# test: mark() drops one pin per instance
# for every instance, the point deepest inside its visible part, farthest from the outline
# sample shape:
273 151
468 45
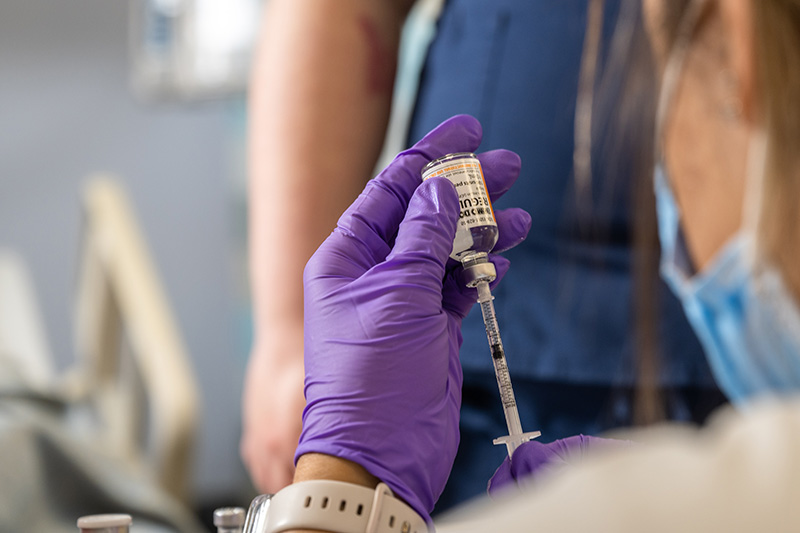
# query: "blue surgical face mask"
740 308
742 311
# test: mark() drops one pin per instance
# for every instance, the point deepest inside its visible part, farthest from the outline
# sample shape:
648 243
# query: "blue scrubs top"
566 307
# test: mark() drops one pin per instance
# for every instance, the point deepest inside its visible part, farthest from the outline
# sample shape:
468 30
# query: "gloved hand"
383 314
534 458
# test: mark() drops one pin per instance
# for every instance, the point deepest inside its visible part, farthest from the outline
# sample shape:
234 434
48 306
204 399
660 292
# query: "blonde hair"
776 32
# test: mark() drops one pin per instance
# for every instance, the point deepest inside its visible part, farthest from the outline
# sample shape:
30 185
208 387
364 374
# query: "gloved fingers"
342 256
513 225
534 458
425 238
501 265
377 212
502 479
570 447
529 459
574 448
586 444
500 170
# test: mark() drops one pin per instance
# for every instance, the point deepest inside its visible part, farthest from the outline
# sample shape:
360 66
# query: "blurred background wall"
66 111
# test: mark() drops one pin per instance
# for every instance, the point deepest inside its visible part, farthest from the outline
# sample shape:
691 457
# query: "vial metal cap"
105 523
477 268
229 517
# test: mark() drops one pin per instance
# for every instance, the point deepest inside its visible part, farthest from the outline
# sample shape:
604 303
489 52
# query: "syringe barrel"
499 359
503 377
512 420
489 318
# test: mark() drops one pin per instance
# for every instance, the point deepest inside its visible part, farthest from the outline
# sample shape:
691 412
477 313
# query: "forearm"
319 104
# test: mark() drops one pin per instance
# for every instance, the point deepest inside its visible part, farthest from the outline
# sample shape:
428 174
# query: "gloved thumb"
528 459
427 231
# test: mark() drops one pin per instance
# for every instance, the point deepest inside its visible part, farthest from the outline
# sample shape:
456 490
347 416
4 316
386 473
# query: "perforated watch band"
341 508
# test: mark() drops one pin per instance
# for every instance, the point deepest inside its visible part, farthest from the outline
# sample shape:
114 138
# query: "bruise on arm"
381 61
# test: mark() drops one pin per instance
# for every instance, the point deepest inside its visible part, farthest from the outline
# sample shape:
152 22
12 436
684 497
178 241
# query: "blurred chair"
23 342
132 367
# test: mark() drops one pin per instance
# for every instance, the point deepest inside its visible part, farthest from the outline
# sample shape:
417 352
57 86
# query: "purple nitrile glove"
534 458
383 314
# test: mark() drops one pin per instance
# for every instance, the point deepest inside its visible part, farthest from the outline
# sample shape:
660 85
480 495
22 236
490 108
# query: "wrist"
313 466
325 478
279 339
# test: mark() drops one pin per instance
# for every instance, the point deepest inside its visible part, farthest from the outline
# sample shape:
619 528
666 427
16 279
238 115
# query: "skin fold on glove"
533 460
383 313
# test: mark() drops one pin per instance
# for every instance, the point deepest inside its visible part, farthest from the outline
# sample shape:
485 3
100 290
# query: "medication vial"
476 233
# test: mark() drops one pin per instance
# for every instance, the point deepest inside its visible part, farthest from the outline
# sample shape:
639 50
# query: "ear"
737 17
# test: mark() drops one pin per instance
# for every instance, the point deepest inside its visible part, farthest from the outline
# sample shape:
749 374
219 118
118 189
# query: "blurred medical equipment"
191 49
23 341
114 432
105 523
476 235
134 368
229 519
256 520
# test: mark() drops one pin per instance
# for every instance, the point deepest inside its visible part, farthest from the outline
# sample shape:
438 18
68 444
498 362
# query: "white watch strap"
341 508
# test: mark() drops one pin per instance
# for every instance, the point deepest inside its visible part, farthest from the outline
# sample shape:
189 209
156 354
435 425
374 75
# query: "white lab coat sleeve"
740 473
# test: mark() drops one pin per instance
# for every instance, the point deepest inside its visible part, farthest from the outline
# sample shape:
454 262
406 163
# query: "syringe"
475 237
479 272
515 435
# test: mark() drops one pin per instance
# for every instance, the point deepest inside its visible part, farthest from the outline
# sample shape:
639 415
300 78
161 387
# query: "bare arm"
319 105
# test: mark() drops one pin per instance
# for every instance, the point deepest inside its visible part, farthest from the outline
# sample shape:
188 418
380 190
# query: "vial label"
476 216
